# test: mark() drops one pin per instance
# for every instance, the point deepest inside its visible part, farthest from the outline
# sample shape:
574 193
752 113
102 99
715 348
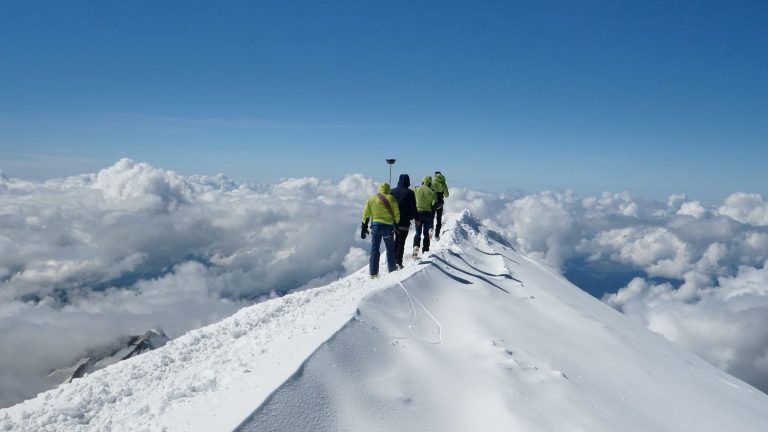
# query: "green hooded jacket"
425 196
439 186
376 209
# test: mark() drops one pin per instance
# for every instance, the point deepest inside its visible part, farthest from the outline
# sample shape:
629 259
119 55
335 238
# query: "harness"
386 203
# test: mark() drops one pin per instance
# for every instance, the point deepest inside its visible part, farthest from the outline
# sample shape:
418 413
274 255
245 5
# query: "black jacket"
406 200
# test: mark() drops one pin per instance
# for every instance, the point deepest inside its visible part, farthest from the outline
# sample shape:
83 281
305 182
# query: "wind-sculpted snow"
701 269
536 355
512 347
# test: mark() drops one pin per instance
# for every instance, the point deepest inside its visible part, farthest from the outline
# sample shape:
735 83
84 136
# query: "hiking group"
391 212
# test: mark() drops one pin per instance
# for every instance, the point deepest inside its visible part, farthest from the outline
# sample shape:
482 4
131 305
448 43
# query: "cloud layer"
85 259
88 258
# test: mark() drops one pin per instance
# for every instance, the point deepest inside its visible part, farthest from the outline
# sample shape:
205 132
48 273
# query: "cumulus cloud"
86 259
746 208
355 259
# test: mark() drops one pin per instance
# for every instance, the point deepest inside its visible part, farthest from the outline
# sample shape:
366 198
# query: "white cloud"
88 258
139 186
543 226
355 259
653 249
746 208
692 208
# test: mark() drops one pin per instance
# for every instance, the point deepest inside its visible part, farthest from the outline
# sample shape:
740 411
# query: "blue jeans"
378 232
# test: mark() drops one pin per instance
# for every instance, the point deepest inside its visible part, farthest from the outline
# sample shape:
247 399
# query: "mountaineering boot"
415 251
374 276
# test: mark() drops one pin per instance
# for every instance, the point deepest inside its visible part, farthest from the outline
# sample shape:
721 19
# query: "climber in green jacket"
425 202
441 190
381 208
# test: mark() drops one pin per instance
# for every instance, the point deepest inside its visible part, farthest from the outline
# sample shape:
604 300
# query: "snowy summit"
472 337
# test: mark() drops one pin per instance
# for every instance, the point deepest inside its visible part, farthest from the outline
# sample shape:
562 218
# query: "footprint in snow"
526 367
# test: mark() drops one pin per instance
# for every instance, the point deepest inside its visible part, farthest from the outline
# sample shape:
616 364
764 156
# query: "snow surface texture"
715 258
473 336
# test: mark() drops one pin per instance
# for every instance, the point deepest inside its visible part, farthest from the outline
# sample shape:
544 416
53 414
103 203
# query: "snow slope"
472 337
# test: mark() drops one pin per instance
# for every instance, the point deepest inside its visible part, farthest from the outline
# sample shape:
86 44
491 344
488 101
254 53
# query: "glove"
363 230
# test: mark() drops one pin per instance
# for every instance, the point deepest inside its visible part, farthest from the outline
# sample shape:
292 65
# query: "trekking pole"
390 162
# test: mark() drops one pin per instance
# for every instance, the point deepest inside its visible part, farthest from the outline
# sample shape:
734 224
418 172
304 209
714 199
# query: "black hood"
404 181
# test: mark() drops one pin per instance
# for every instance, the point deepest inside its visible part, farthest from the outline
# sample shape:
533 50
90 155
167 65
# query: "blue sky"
651 97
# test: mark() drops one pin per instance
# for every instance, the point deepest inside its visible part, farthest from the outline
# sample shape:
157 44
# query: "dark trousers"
423 228
439 221
400 235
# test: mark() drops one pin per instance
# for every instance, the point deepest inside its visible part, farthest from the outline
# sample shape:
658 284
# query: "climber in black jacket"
406 200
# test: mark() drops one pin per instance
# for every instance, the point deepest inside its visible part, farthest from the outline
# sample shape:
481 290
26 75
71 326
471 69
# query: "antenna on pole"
390 162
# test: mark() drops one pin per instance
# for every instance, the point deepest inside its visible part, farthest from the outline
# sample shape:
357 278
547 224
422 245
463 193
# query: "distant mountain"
473 336
100 358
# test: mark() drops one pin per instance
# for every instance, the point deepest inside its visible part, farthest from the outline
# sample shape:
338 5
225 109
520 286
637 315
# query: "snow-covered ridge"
472 337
